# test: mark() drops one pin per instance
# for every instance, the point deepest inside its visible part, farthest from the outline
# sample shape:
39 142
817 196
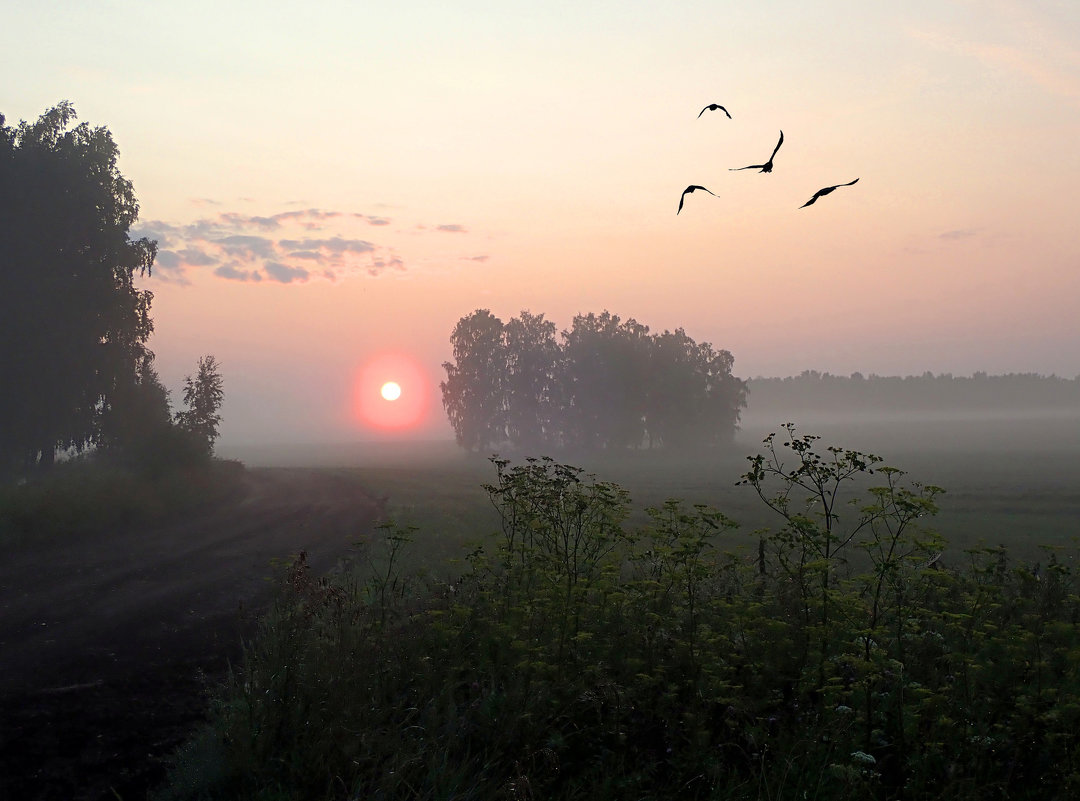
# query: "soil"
109 646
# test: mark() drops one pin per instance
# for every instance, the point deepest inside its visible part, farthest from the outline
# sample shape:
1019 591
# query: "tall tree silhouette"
73 326
203 395
474 393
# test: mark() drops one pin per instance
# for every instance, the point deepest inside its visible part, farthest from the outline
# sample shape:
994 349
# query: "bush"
840 658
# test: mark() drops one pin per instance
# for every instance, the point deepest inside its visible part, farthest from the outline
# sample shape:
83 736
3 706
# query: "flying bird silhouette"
714 107
825 191
767 166
689 190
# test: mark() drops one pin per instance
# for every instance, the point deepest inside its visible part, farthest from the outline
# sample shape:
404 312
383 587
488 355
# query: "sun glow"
391 393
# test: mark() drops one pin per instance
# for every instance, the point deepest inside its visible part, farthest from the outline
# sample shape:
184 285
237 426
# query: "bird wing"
751 167
827 190
714 107
777 146
681 199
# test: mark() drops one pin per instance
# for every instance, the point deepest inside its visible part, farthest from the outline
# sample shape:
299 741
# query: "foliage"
136 430
609 385
73 327
837 657
203 396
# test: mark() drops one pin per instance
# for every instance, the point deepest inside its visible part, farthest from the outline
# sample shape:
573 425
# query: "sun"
391 393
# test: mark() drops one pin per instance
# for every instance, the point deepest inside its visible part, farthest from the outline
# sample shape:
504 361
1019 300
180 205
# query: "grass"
84 498
445 504
1022 499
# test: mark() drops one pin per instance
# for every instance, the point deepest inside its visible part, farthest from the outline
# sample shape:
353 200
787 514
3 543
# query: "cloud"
161 232
960 233
392 263
475 258
238 220
284 274
290 247
333 245
247 246
234 273
194 257
316 214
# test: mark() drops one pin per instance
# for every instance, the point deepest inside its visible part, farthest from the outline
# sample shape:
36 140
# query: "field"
1008 481
111 640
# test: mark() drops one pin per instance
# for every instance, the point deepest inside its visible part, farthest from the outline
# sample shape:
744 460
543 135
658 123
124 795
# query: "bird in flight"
825 191
714 107
688 190
767 166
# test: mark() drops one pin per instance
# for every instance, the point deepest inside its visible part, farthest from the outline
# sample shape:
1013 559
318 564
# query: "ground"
110 644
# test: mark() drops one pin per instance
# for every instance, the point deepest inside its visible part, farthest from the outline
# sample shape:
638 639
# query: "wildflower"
863 758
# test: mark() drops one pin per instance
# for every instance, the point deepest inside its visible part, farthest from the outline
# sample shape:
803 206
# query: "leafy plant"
852 656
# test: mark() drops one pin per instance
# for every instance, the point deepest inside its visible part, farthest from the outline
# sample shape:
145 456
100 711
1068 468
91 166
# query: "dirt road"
107 646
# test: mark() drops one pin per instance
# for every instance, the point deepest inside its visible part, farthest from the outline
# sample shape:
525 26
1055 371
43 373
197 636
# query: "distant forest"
824 394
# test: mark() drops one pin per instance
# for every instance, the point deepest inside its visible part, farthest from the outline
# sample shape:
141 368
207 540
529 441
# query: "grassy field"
1012 482
575 660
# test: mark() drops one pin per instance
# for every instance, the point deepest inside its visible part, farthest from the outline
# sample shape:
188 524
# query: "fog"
923 417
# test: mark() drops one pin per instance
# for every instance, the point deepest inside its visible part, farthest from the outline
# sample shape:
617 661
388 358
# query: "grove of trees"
74 327
603 384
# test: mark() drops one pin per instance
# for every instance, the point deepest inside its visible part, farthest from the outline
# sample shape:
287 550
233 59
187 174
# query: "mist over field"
926 414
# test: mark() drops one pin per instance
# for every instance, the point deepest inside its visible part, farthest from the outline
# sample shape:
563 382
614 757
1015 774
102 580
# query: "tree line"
603 384
73 325
821 391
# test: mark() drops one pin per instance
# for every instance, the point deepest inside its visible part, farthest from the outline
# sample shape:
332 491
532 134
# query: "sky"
334 185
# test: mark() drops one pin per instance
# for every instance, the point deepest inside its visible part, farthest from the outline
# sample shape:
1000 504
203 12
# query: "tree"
533 381
724 395
203 395
73 326
607 361
474 390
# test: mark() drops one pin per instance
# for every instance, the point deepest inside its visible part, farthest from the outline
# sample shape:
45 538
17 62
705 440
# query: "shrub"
842 659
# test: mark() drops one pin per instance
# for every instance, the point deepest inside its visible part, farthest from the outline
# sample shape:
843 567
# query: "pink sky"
331 186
